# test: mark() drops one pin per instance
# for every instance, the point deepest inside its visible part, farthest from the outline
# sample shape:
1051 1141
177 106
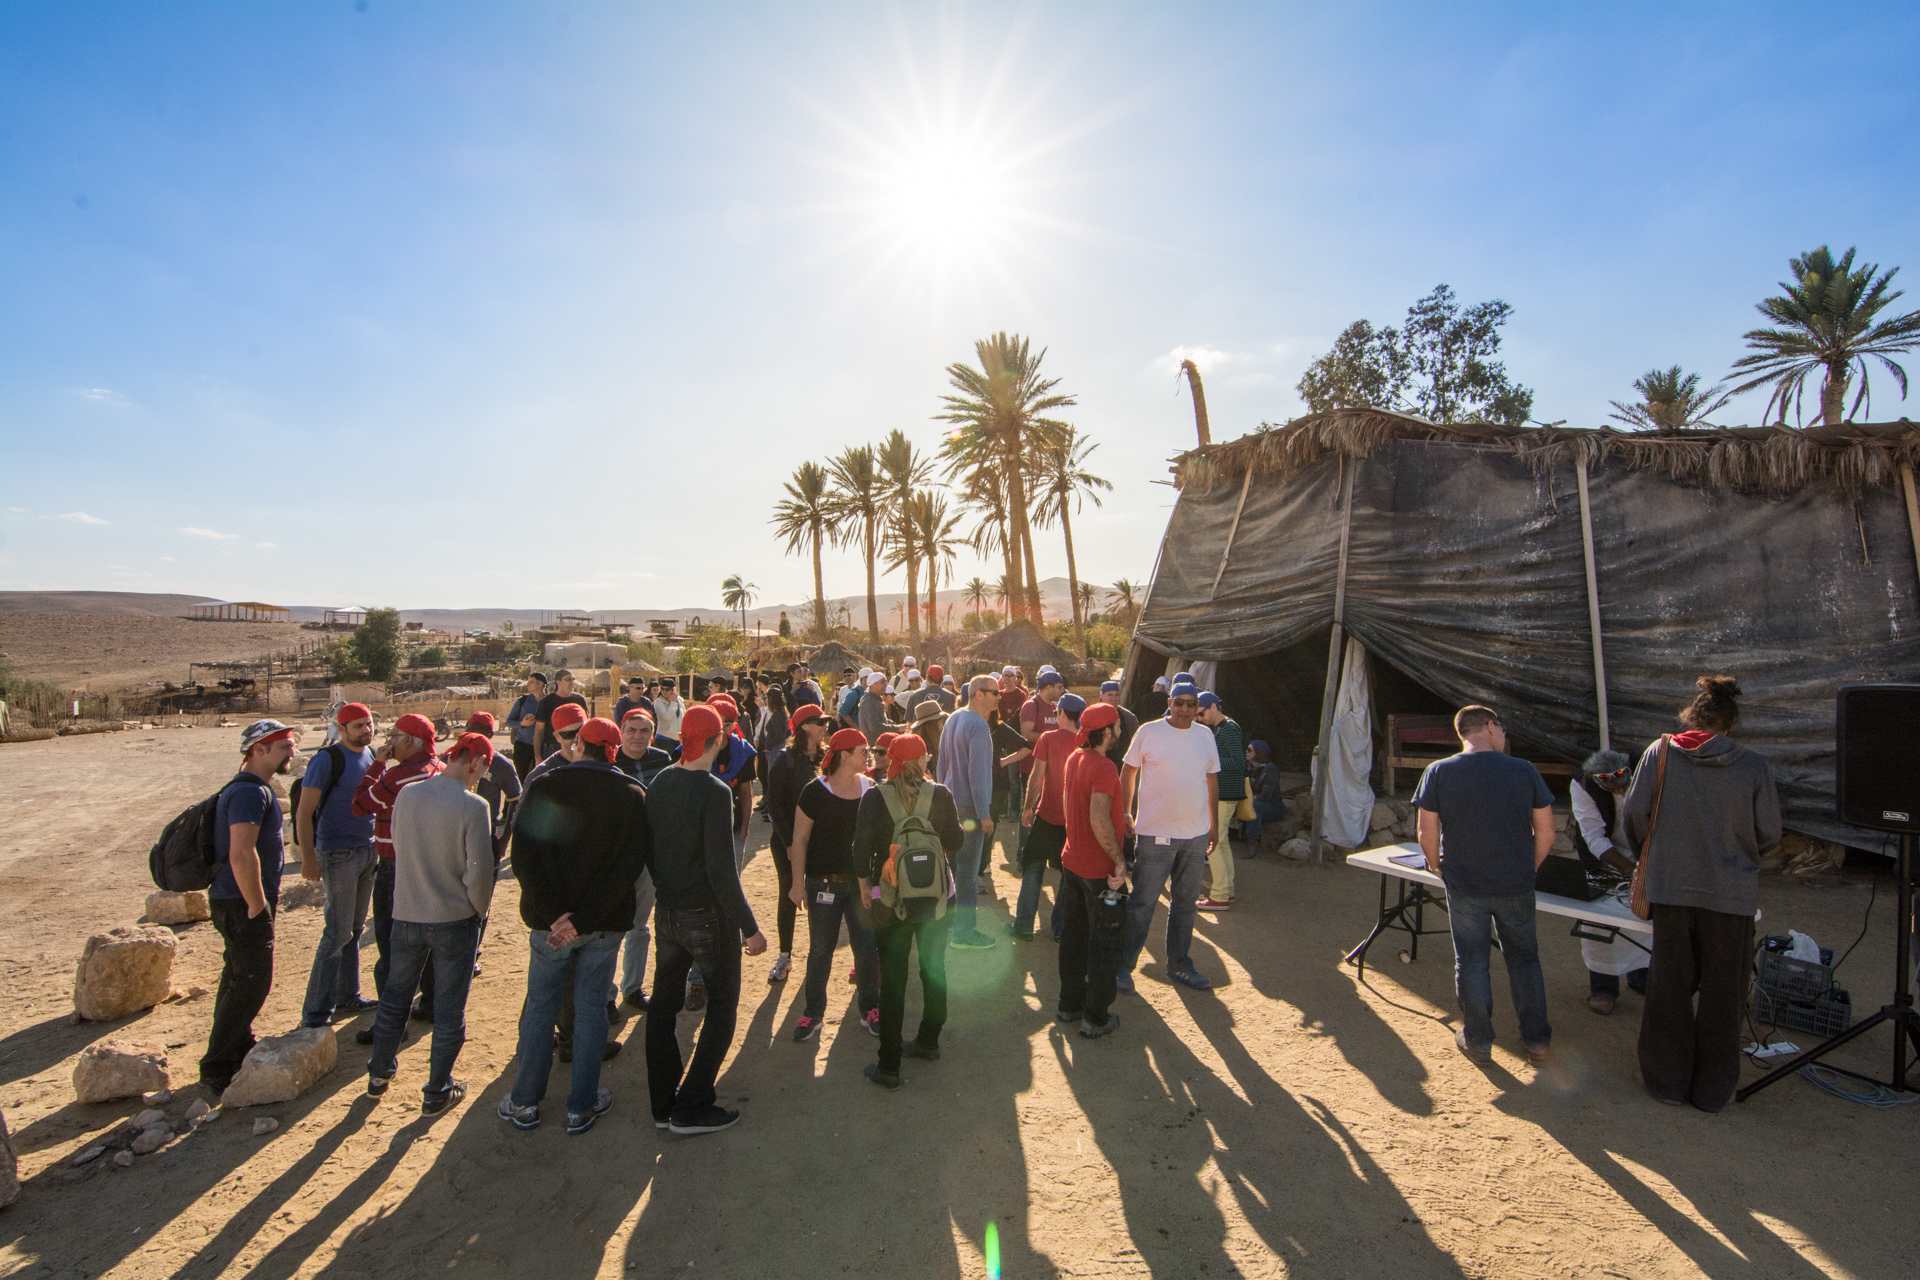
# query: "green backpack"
913 883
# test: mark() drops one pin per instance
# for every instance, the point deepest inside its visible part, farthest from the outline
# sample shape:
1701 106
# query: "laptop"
1566 878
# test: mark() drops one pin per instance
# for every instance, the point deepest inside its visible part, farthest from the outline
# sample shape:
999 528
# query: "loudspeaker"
1877 747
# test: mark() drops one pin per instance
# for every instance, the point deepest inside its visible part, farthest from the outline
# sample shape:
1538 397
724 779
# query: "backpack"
335 753
913 883
182 858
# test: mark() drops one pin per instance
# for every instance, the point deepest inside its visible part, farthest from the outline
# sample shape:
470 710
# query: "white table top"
1609 911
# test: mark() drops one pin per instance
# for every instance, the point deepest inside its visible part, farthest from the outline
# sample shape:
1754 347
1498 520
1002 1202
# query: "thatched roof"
1021 643
1772 460
640 667
834 656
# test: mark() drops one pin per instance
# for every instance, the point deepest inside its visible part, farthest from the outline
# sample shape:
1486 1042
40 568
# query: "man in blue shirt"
248 851
1486 824
336 848
523 722
965 768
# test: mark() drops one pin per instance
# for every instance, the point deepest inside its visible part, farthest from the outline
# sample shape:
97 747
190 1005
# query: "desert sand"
1295 1121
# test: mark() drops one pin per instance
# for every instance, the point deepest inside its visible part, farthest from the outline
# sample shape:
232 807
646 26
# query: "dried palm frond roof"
1021 642
1771 460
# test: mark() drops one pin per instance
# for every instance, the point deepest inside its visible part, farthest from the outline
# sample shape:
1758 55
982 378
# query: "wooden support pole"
1913 512
1335 644
1232 530
1593 601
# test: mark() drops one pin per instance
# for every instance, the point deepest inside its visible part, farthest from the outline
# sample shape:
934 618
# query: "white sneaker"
782 963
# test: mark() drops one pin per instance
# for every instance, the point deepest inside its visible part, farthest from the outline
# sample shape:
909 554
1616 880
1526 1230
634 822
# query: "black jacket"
785 778
691 813
580 841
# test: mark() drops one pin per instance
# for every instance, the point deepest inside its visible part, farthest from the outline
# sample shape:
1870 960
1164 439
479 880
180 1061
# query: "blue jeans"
449 948
548 972
1184 862
1471 920
639 938
966 876
347 877
1039 850
1264 811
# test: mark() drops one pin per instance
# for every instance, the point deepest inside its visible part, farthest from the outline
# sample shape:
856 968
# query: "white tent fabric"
1204 673
1349 796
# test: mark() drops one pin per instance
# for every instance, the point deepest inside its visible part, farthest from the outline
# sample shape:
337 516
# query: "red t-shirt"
1037 716
1054 748
1090 775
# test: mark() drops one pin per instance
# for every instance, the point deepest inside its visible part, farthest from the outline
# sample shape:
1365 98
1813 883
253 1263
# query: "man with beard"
336 848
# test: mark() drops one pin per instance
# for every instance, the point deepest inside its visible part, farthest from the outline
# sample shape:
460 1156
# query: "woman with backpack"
825 881
907 832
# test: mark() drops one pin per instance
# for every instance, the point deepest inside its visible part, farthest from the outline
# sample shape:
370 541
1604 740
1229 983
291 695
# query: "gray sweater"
1718 815
442 853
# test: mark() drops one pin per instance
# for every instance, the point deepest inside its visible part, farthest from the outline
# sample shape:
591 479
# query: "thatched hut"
1023 644
1576 580
833 657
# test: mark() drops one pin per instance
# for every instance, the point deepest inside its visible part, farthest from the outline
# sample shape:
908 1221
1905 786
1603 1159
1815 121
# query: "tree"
906 470
1128 602
999 412
1062 481
737 593
431 656
802 518
1828 318
927 531
975 593
984 494
860 494
1440 365
1084 593
376 644
1670 399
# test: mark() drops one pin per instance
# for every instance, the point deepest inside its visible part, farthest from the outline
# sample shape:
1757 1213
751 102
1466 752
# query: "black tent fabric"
1465 572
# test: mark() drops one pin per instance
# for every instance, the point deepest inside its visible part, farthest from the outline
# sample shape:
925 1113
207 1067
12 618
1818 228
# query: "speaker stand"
1906 1022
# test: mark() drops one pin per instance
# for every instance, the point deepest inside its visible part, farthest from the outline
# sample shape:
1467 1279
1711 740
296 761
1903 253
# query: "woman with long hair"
1717 816
824 882
792 769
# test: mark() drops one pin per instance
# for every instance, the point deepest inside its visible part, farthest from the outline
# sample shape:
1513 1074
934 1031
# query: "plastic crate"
1827 1015
1785 978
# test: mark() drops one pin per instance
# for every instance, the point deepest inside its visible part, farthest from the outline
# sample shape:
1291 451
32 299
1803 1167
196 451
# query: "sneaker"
661 1122
518 1117
782 965
1601 1003
578 1124
914 1049
805 1029
363 1036
973 941
1123 983
1192 977
709 1119
885 1079
1539 1054
1021 935
1212 904
357 1005
1094 1030
871 1021
696 997
1061 1015
1479 1056
377 1085
433 1104
635 1000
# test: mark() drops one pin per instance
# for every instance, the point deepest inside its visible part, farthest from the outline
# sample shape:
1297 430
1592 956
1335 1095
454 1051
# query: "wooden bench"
1414 742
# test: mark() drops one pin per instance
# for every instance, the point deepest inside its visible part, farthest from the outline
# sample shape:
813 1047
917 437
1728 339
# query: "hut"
1022 644
1392 569
833 657
238 611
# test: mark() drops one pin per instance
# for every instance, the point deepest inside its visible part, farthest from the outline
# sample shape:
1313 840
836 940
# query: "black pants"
786 912
1688 1054
523 759
682 939
824 918
1608 984
1089 955
896 939
246 975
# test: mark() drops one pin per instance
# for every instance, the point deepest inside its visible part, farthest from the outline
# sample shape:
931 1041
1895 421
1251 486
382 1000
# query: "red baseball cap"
603 733
642 712
904 747
1097 717
353 711
729 709
418 726
480 722
474 744
568 715
847 740
934 673
801 715
698 729
885 740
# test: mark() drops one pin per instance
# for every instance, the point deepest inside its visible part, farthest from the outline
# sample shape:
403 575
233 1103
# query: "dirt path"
1294 1122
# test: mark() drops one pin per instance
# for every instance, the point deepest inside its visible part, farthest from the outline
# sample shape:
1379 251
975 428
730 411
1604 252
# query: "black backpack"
337 755
182 858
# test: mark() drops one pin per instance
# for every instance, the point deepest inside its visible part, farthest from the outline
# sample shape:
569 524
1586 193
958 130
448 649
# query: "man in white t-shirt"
1173 774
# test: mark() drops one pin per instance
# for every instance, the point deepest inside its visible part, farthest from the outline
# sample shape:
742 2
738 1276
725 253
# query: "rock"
300 893
9 1166
160 1099
1299 849
264 1126
123 971
1402 809
123 1159
1383 816
177 908
89 1155
149 1118
198 1112
117 1069
148 1141
281 1068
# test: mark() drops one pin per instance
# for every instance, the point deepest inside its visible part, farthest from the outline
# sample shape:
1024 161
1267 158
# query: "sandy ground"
1296 1121
99 651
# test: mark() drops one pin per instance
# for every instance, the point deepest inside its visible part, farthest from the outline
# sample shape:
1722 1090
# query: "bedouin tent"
1472 563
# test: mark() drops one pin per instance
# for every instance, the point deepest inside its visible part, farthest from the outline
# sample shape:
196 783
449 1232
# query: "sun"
942 194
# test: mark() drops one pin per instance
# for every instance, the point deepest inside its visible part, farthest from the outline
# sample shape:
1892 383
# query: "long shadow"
31 1050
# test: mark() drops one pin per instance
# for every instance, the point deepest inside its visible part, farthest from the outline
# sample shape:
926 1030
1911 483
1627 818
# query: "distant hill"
121 603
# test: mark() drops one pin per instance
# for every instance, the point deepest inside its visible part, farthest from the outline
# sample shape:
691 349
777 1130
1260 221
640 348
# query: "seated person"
1599 839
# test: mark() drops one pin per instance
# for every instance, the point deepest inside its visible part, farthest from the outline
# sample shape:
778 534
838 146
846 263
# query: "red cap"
935 672
1097 717
603 733
351 712
882 742
723 703
698 729
801 715
847 740
474 744
416 725
568 715
904 747
480 722
642 712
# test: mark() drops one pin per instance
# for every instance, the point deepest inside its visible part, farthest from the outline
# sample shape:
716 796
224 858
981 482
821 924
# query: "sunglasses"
1615 776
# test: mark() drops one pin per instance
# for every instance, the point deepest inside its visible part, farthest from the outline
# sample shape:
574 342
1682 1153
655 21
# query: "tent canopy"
1782 557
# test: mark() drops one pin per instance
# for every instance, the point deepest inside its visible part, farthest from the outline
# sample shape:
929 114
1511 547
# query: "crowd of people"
628 834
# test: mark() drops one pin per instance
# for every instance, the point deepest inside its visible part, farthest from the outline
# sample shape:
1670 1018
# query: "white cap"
1009 670
908 661
876 678
1046 667
864 673
1161 684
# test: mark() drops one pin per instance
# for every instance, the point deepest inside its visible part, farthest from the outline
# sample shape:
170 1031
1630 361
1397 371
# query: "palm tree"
1085 593
906 471
1128 602
1827 326
737 593
987 496
802 518
975 593
860 493
999 413
1007 588
1669 400
933 530
1061 480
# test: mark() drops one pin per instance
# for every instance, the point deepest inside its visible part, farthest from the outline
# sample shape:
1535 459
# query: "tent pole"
1593 601
1335 643
1232 531
1913 512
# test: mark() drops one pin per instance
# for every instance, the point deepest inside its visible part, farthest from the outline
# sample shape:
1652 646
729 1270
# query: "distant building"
238 611
346 615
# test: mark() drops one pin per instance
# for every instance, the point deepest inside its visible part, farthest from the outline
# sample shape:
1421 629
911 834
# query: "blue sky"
537 305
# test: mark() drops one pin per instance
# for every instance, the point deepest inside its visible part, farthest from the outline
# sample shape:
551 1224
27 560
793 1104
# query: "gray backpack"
913 883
